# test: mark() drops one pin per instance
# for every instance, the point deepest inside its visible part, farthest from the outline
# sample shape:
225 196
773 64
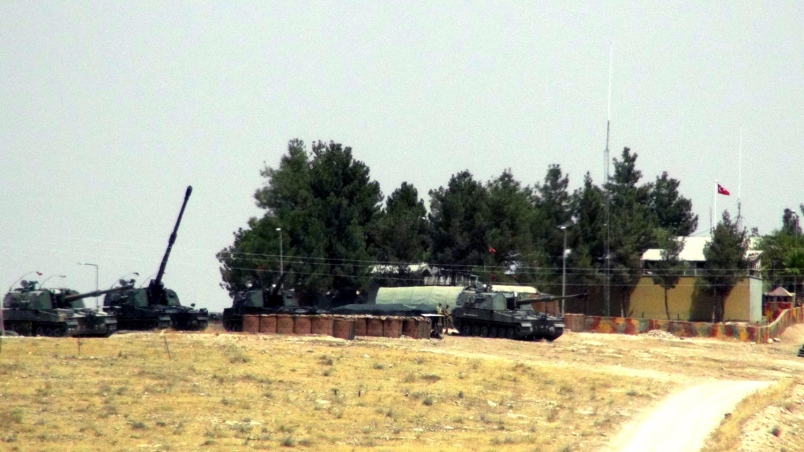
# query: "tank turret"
482 311
258 301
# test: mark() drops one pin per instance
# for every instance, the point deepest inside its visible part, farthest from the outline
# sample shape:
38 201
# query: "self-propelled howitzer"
259 301
156 306
29 311
487 313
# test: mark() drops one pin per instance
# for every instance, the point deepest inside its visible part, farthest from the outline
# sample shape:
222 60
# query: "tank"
261 301
480 311
156 307
29 311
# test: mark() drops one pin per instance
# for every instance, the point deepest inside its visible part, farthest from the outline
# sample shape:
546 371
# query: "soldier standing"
447 319
440 312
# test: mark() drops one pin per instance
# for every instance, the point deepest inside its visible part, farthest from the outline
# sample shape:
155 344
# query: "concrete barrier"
739 331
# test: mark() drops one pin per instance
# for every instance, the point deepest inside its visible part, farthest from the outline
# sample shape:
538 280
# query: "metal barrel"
525 301
172 240
96 293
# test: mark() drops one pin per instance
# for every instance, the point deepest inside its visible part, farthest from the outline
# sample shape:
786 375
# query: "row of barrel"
343 327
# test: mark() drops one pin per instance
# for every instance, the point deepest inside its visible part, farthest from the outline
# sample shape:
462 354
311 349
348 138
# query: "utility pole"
281 266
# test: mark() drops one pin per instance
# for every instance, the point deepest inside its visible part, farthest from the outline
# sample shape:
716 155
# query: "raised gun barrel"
524 301
155 288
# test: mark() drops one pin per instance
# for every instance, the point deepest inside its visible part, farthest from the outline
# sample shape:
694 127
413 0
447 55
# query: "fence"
741 331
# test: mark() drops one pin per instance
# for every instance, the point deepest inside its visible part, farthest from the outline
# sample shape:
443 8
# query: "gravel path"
684 420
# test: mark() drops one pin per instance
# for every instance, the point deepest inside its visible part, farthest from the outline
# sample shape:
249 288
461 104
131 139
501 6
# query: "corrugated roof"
694 250
518 289
779 292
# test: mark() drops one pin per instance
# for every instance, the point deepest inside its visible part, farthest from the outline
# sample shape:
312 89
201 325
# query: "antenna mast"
607 257
739 183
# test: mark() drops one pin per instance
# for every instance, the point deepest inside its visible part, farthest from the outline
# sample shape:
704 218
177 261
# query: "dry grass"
727 436
247 392
265 392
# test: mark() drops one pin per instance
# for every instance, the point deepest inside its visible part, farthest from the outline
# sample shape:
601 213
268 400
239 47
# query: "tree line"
339 233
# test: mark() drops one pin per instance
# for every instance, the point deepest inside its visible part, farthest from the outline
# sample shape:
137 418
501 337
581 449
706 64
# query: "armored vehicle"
261 301
156 306
480 311
30 311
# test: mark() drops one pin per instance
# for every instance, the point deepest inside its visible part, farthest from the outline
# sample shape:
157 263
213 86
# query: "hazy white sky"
109 110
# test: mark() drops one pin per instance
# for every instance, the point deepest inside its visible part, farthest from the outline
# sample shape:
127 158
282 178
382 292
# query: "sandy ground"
706 379
684 420
711 377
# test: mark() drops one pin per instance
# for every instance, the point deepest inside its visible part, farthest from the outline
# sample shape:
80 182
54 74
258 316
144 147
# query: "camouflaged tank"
140 309
481 311
156 306
29 311
260 301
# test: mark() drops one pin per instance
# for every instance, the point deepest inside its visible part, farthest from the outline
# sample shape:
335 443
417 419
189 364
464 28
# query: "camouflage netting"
398 309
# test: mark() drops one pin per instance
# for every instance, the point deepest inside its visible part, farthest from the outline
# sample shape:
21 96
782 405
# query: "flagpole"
607 250
714 210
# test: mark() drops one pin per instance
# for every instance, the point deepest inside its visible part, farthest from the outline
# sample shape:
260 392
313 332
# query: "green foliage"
460 223
725 262
667 272
334 231
671 211
325 202
511 213
552 203
631 229
587 237
783 253
402 235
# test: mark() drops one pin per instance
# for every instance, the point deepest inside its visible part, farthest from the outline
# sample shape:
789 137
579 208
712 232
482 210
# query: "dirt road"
684 420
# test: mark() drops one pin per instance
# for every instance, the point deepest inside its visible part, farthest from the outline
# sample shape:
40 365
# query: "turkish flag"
492 250
722 191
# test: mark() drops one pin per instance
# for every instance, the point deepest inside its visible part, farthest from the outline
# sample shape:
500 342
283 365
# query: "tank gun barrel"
277 289
96 293
525 301
172 240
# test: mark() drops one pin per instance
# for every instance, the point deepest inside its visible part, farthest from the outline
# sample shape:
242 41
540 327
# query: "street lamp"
281 267
563 269
97 303
42 285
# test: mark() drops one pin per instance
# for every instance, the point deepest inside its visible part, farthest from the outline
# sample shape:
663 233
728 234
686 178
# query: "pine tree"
725 263
667 272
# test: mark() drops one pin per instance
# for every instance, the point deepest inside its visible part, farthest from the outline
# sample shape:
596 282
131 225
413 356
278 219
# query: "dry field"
218 391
